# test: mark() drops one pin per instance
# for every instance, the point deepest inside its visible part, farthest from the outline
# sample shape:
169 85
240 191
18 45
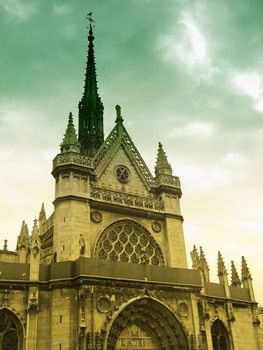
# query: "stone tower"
107 270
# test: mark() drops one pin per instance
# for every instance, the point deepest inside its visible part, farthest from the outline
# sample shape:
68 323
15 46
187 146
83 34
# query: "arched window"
10 331
126 240
219 336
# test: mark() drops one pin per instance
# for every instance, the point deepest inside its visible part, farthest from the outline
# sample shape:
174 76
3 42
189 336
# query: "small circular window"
122 173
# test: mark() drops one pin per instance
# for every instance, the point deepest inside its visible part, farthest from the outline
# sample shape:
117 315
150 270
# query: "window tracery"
128 241
219 336
10 334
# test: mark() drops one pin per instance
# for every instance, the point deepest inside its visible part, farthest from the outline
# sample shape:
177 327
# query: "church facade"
108 269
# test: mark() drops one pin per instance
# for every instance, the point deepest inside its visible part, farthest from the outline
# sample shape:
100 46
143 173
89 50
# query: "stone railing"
126 199
167 180
72 158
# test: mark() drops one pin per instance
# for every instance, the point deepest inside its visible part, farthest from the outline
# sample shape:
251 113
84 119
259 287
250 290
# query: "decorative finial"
235 280
90 19
119 119
70 141
5 245
162 167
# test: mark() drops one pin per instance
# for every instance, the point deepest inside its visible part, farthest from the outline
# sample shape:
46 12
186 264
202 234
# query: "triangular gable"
115 149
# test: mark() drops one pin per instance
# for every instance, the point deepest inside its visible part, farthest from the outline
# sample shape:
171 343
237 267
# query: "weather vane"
90 19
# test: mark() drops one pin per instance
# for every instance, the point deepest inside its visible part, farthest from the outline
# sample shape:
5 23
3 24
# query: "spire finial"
221 269
5 245
162 166
119 119
90 106
235 280
245 273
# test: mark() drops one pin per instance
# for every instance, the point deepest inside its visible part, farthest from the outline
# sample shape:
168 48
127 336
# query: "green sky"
186 73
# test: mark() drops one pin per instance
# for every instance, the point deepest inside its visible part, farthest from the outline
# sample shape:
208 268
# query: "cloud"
251 85
18 9
200 130
189 47
62 9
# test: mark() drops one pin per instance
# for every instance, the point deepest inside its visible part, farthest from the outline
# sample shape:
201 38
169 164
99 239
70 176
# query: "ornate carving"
156 226
126 199
104 304
123 174
98 341
128 241
5 299
33 302
82 244
96 216
183 309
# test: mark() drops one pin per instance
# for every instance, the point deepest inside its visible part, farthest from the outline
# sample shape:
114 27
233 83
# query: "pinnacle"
24 229
35 228
245 273
70 142
42 213
221 269
203 260
235 280
195 258
162 166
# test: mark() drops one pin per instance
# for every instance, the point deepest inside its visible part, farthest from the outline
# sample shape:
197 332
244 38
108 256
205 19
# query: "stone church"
108 269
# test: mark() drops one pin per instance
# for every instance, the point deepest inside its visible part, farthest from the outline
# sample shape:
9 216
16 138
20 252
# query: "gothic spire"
162 166
91 134
70 142
235 280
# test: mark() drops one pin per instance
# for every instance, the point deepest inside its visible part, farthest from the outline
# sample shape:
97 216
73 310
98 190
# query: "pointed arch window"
219 336
10 331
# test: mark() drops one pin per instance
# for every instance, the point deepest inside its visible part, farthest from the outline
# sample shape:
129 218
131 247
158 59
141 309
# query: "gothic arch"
220 338
145 322
11 331
128 241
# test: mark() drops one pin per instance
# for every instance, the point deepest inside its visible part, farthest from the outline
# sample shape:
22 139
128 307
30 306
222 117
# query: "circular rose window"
122 173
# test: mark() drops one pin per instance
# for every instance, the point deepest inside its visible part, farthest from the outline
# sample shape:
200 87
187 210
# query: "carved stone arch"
11 330
154 327
220 336
128 241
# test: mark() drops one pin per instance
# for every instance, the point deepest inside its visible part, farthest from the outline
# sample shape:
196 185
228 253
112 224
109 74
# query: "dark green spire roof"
70 142
162 166
91 134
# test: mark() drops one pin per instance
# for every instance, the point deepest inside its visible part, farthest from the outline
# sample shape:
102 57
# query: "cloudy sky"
190 72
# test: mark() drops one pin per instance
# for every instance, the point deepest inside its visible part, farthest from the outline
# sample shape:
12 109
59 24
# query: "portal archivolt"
146 323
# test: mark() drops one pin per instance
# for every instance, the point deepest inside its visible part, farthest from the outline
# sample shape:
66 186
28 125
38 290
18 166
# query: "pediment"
119 158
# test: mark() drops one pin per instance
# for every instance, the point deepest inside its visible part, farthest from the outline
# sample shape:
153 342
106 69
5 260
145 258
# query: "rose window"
129 242
122 173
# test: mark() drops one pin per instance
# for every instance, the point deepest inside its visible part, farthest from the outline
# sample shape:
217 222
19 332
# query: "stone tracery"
128 241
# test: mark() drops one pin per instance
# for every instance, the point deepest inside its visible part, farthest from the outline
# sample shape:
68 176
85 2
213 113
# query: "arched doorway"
219 336
11 333
146 324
